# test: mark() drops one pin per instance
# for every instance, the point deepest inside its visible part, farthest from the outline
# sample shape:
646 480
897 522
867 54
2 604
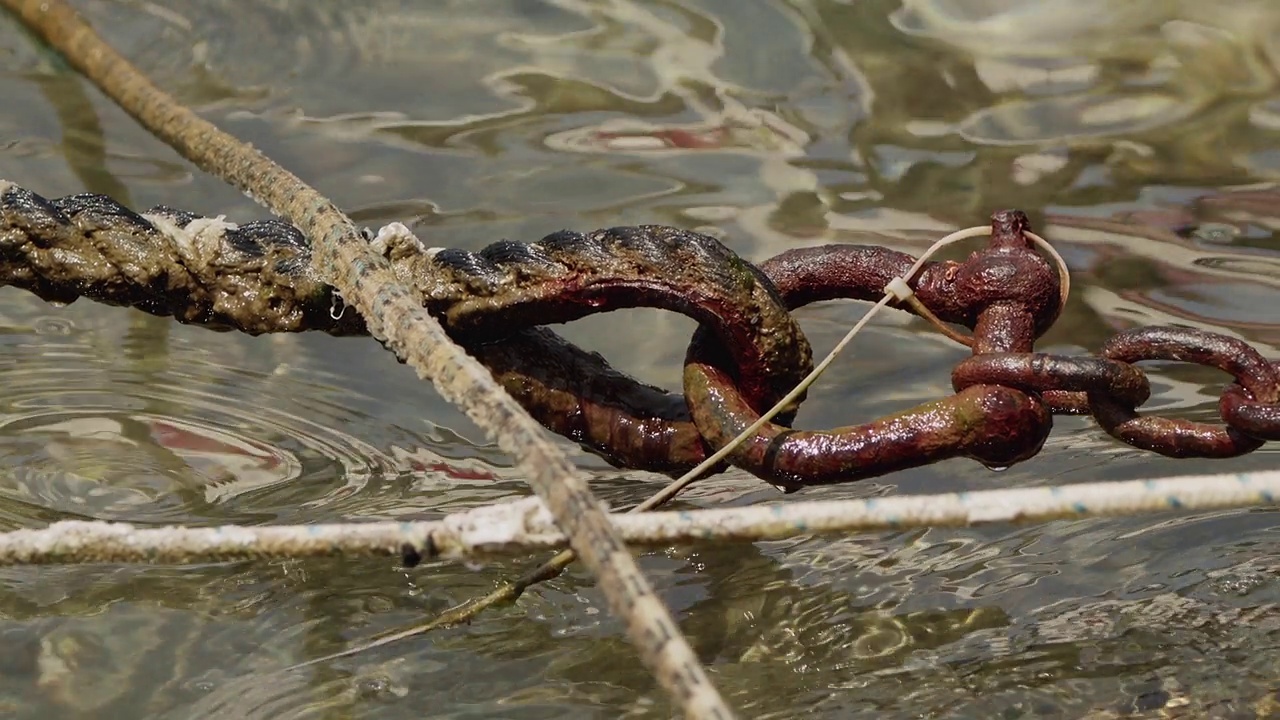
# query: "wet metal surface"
1141 138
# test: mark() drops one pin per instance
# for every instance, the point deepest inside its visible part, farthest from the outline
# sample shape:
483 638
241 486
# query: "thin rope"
365 280
898 288
526 524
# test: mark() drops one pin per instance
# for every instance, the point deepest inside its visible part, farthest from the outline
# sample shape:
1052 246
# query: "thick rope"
526 524
366 281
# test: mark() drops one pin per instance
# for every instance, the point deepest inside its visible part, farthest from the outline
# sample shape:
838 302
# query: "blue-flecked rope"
525 524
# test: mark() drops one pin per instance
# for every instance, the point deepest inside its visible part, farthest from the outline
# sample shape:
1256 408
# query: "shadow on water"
1140 136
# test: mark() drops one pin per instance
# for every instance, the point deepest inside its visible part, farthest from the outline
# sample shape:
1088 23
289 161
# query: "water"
1140 137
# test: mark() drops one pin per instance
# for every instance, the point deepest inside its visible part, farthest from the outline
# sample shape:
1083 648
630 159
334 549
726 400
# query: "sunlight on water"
1142 138
158 433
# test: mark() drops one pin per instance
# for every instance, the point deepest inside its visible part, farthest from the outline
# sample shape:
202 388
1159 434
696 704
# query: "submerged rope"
526 524
366 281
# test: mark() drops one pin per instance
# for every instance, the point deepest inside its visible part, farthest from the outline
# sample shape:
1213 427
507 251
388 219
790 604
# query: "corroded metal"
747 353
1179 437
256 278
1006 293
1065 382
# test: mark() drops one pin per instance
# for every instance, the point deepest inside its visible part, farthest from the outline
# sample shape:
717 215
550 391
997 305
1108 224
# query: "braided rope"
367 282
264 277
526 524
255 277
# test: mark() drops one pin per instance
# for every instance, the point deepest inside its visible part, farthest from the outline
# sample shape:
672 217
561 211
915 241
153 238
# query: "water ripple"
159 430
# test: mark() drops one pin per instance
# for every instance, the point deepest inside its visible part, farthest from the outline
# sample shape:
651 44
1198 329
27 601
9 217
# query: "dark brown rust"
1016 288
1243 411
568 275
994 425
1064 382
578 395
1178 437
860 272
747 353
482 296
256 277
1013 292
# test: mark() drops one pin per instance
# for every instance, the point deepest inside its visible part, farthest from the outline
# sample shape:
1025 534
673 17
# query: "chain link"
1179 437
747 352
1002 294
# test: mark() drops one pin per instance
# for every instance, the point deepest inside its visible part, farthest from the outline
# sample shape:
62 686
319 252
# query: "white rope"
525 524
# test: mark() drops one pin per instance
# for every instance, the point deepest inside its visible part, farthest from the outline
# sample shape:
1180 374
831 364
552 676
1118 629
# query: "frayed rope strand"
525 525
366 281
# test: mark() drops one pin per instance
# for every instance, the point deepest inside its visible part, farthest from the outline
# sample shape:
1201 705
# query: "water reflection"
1139 135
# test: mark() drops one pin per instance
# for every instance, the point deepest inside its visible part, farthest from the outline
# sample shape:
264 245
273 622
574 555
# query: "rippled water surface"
1143 137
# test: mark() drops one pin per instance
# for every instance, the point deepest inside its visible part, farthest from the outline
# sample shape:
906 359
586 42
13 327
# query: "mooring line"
526 524
366 281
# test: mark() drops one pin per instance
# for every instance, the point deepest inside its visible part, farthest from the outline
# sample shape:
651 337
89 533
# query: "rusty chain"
747 352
